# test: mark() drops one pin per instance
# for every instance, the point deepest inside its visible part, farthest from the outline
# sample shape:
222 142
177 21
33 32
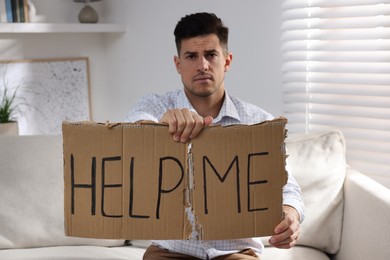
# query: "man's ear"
176 60
228 61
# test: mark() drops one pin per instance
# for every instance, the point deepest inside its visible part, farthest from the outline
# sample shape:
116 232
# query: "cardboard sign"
132 181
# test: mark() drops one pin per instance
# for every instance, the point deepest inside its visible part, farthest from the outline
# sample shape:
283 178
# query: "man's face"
202 65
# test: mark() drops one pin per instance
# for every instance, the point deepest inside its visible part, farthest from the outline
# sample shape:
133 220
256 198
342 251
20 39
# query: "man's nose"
203 64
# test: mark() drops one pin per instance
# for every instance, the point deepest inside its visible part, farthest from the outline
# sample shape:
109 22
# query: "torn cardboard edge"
197 195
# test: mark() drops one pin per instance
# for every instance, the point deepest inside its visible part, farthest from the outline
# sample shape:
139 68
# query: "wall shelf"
61 28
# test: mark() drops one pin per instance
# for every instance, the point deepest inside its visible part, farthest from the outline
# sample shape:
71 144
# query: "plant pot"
10 128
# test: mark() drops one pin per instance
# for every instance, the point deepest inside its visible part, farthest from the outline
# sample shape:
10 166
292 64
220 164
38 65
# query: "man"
202 60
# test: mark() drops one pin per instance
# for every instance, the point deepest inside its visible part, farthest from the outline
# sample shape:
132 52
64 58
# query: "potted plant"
8 124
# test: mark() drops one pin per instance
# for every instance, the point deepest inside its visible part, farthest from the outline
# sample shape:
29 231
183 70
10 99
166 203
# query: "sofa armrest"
366 225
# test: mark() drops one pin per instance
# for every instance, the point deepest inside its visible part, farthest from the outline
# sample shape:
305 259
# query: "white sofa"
347 214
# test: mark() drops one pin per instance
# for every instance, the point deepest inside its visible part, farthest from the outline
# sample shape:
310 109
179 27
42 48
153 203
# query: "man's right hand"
184 124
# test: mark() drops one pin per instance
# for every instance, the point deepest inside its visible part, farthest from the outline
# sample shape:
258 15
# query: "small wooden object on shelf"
88 14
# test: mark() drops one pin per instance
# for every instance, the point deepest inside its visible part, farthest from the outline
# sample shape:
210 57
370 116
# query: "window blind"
336 74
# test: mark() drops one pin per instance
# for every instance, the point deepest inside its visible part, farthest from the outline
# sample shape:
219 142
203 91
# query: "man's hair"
201 24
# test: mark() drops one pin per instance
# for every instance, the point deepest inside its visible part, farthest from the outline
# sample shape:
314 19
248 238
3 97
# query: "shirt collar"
228 108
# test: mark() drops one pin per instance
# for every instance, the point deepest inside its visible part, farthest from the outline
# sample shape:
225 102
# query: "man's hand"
287 232
184 124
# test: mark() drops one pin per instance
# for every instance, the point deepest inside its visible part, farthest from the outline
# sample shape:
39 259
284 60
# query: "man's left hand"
287 232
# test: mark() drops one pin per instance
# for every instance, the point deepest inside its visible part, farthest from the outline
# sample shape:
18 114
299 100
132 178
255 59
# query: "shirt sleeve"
292 195
150 107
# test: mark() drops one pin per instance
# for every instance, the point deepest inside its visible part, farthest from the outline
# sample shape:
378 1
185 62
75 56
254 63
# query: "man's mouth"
203 78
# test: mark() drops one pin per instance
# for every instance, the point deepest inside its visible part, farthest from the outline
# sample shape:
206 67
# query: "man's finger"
199 123
190 123
207 120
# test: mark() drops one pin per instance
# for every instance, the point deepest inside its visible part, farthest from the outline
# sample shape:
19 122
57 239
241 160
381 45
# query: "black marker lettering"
254 182
91 186
131 214
160 181
221 179
104 186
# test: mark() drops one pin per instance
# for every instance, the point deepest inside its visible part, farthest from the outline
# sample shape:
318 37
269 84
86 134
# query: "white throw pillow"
318 163
32 194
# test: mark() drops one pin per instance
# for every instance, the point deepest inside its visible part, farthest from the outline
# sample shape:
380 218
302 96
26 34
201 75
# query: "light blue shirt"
233 111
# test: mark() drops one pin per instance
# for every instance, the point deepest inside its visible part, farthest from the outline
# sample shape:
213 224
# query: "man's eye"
191 57
211 55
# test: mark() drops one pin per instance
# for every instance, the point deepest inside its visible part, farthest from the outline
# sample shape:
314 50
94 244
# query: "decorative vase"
88 15
10 128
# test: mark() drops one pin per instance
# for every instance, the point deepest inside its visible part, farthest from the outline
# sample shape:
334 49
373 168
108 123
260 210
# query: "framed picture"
47 92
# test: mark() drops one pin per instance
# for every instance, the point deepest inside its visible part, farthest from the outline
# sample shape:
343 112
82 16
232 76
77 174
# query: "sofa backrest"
31 194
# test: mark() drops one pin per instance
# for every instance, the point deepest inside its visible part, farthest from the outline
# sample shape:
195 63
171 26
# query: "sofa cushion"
74 253
295 253
317 161
32 194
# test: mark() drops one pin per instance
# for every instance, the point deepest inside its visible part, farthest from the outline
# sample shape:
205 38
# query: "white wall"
127 66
